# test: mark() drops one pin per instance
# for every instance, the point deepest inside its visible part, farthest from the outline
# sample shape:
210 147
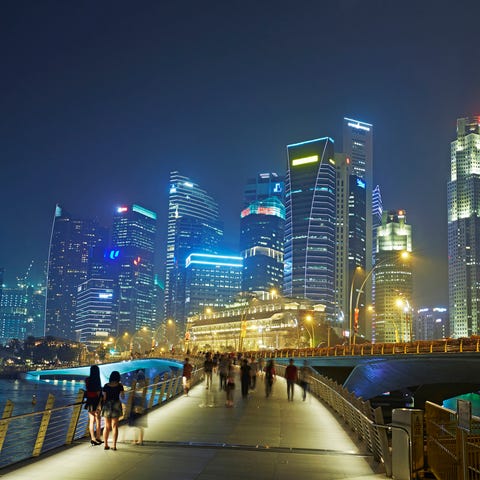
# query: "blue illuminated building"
310 222
211 281
262 231
358 149
193 226
95 311
71 244
133 247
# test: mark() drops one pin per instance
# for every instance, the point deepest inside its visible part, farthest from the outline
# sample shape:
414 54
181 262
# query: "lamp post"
403 255
350 312
309 319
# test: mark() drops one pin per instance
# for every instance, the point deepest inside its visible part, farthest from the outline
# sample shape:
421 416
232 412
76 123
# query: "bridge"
197 437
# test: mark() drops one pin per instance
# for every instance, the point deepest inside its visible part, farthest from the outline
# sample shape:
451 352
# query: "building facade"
358 148
193 226
431 324
393 280
95 311
262 231
463 198
133 243
212 281
311 222
72 241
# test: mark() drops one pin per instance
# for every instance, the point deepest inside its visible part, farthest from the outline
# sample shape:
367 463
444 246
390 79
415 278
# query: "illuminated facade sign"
305 160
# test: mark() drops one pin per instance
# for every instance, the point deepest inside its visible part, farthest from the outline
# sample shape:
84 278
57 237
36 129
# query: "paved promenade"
197 437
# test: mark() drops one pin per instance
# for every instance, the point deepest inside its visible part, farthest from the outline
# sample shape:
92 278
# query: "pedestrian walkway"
197 437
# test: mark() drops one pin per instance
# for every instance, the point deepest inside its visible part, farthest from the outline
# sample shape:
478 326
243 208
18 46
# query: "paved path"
197 437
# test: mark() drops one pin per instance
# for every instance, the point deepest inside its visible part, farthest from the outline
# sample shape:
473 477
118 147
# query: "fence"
365 421
453 449
28 435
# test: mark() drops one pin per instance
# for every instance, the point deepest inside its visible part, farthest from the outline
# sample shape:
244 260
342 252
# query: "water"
64 384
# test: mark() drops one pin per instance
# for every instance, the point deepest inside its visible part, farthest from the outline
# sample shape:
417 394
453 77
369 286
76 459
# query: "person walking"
223 371
269 377
253 373
93 397
229 386
112 410
208 366
291 375
245 377
304 376
187 376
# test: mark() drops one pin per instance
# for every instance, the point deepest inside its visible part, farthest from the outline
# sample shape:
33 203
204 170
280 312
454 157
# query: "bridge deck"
197 437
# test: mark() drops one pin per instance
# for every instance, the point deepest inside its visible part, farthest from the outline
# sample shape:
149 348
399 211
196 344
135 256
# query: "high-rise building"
431 324
193 226
262 231
72 241
13 313
358 148
393 280
211 281
95 311
133 237
311 222
463 196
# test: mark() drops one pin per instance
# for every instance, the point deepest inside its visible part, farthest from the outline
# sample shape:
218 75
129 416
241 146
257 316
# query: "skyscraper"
71 244
193 226
358 148
133 237
463 196
211 281
262 231
310 222
393 280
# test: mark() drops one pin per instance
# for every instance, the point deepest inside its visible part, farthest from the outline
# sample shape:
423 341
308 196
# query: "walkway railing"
365 421
453 451
30 434
448 345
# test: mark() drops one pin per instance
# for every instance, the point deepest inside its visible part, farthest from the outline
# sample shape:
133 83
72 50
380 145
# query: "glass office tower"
358 148
72 241
310 222
262 231
193 226
133 237
463 198
393 280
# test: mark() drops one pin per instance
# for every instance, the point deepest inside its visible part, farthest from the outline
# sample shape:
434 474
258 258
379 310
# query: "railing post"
156 381
7 413
77 408
383 440
42 430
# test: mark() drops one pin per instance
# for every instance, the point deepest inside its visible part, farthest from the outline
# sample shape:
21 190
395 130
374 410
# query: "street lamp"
309 319
404 255
358 269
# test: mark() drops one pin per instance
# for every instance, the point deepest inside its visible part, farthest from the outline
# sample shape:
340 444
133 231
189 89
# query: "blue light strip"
310 141
144 211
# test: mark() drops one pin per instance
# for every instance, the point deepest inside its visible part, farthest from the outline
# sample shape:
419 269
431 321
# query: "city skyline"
96 114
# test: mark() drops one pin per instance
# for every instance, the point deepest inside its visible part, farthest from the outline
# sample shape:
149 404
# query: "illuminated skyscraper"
393 280
193 226
463 197
310 222
133 237
262 231
211 281
71 244
358 148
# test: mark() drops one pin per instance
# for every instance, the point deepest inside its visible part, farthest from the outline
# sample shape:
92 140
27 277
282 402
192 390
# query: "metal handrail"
30 434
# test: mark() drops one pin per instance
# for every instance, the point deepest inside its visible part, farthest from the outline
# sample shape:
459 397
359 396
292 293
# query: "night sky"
101 100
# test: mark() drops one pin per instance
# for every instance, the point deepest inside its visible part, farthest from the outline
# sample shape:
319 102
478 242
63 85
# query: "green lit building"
463 196
392 319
